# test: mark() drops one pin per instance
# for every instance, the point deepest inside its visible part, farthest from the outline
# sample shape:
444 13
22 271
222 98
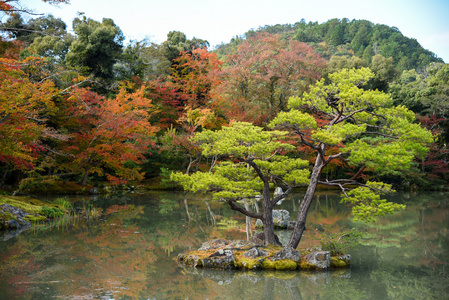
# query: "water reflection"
130 253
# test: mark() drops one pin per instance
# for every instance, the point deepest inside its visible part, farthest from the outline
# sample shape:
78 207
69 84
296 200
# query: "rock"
191 260
340 261
278 191
346 258
14 211
214 244
255 252
287 253
13 224
222 259
281 219
17 221
93 191
319 259
239 244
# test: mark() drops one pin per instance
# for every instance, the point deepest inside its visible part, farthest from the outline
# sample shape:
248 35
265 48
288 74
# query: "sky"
219 21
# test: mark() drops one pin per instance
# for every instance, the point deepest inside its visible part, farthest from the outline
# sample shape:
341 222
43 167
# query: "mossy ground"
194 258
32 206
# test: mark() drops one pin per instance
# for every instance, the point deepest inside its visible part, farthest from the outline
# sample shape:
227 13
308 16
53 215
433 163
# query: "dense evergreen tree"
97 47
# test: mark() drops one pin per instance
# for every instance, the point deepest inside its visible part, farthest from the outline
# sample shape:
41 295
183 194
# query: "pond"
130 250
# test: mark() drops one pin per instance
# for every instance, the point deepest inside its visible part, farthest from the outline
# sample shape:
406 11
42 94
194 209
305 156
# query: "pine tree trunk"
268 217
303 210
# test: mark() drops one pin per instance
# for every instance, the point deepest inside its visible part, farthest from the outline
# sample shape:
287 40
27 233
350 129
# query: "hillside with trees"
354 38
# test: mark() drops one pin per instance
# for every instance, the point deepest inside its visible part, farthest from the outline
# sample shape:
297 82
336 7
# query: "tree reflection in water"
130 253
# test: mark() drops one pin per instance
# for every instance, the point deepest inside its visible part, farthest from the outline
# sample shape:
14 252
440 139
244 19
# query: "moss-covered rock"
340 261
17 212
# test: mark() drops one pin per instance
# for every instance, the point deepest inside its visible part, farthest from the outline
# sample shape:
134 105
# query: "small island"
246 255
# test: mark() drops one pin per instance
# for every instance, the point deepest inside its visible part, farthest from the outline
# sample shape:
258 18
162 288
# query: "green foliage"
52 212
360 38
243 142
365 128
177 42
65 205
241 139
367 204
165 175
340 243
97 47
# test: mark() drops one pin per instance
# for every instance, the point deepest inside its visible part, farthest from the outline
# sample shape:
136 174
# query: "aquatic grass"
65 215
340 243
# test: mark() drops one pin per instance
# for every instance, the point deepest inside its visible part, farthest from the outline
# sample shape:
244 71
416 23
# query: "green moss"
283 264
304 265
37 209
264 263
30 205
337 263
6 216
247 263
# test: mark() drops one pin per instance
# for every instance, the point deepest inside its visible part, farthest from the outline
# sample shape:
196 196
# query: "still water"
129 252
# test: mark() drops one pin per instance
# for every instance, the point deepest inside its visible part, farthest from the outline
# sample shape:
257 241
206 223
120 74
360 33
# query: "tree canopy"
335 121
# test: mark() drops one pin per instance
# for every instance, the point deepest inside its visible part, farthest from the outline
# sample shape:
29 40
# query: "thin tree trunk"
85 177
249 228
296 236
268 227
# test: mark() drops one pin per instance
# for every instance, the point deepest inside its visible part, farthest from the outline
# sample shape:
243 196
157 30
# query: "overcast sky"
219 21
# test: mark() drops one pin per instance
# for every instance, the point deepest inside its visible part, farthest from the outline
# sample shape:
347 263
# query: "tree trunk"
303 210
267 221
85 177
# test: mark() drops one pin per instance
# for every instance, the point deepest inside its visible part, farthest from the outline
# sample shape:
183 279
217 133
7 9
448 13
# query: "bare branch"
332 157
236 207
358 173
350 115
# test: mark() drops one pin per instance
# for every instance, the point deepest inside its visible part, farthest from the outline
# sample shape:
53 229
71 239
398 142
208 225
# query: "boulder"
287 253
281 219
346 258
190 260
239 244
214 244
254 253
12 217
222 259
319 259
340 261
278 191
14 211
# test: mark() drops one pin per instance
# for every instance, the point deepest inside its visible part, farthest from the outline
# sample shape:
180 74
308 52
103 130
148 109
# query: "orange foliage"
107 133
24 109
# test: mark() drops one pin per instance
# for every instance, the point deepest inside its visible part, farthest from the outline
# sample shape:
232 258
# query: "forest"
85 109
